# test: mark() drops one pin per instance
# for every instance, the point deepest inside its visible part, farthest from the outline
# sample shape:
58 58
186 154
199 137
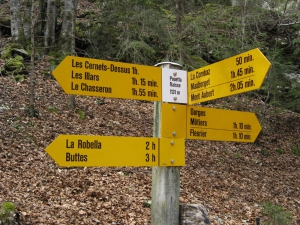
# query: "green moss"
7 208
280 151
276 214
81 114
7 53
19 78
15 64
79 31
19 58
265 152
296 150
52 109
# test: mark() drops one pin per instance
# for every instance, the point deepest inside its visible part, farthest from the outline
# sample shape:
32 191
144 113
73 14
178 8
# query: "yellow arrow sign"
88 151
238 74
221 125
93 77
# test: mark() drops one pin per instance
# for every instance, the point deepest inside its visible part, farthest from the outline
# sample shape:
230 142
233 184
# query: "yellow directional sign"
91 151
93 77
240 73
221 125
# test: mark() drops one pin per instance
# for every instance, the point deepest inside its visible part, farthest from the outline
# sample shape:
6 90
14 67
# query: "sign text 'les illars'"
93 77
221 125
237 74
92 151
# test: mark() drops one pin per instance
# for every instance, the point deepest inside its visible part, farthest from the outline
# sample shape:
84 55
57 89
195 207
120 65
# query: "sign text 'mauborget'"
234 75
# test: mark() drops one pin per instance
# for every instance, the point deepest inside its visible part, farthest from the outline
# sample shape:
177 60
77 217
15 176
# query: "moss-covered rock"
12 50
9 214
7 53
15 64
13 55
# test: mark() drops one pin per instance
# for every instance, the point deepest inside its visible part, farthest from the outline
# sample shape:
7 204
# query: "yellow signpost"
221 125
91 151
237 74
93 77
173 122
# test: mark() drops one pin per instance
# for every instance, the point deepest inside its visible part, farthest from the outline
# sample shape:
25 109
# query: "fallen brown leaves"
230 179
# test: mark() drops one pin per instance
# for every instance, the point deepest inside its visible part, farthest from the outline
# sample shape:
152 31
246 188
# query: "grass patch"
7 212
280 151
265 152
81 114
52 109
147 204
276 214
296 150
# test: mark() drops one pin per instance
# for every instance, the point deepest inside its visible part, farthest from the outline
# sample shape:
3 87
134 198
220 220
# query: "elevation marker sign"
234 75
221 125
93 77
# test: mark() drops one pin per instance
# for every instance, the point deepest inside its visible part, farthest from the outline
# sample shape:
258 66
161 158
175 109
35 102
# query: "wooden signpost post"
166 85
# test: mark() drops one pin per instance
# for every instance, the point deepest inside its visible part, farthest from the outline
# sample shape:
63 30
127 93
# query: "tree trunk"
72 102
50 25
234 2
179 14
16 22
41 18
73 27
32 69
243 22
65 39
27 19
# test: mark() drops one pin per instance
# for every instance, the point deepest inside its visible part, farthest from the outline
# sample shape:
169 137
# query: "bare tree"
234 2
179 15
16 22
72 97
27 18
67 36
32 69
51 16
40 23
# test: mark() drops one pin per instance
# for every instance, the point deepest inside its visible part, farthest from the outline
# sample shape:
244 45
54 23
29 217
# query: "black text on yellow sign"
234 75
95 151
221 125
93 77
192 122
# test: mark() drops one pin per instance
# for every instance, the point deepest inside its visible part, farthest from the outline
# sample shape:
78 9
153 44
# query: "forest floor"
230 179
